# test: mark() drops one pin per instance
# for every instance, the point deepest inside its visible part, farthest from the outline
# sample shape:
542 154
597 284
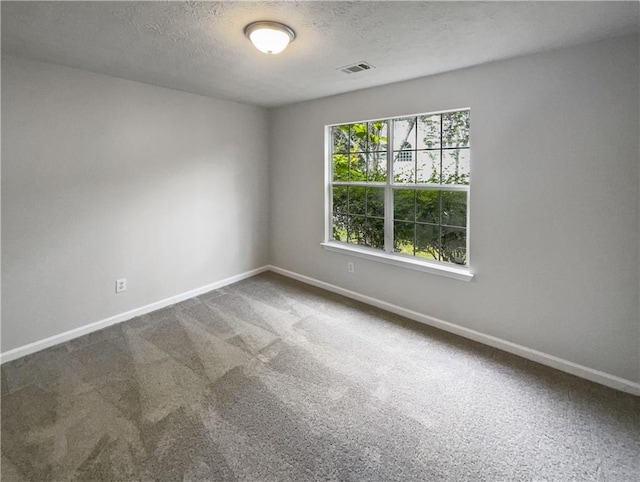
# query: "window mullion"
328 229
440 193
388 192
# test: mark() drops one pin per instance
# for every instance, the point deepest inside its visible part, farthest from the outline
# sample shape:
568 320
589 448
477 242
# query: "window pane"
359 230
357 167
339 231
404 133
374 234
454 208
455 129
428 241
357 200
428 132
340 200
428 206
428 167
454 245
340 167
359 137
340 138
403 235
356 229
377 169
404 167
404 204
378 136
375 201
455 166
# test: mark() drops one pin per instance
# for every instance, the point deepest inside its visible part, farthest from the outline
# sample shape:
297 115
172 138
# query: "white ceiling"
199 47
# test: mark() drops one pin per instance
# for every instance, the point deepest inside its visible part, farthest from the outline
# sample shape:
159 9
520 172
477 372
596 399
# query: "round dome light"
269 37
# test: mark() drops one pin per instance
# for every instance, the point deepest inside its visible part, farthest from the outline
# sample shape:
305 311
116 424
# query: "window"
405 154
401 186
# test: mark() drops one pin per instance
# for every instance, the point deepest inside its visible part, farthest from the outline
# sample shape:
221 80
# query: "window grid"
392 185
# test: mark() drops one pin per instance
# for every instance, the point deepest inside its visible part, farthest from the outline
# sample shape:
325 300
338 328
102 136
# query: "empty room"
320 240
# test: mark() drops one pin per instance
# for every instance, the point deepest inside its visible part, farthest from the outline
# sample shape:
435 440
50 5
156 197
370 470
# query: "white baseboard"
567 366
520 350
99 325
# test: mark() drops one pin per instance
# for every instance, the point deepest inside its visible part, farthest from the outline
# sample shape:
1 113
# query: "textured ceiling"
199 47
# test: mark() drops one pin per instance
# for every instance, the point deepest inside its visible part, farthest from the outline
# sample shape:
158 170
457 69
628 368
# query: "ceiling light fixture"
269 37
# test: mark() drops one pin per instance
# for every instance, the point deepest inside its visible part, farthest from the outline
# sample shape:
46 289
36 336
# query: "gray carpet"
269 379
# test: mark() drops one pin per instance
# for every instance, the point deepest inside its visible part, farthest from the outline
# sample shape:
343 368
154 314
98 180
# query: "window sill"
405 262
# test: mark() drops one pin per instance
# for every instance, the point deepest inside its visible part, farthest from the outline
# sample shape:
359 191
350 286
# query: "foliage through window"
402 185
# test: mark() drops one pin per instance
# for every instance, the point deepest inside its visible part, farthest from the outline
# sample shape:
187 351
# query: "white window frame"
387 255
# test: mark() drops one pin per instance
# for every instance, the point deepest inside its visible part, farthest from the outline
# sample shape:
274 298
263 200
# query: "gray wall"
554 201
105 178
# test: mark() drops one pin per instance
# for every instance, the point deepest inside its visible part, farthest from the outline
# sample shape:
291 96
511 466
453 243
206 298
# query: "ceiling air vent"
359 67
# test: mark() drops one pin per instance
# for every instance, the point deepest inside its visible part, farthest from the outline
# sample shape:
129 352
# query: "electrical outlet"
121 285
351 267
